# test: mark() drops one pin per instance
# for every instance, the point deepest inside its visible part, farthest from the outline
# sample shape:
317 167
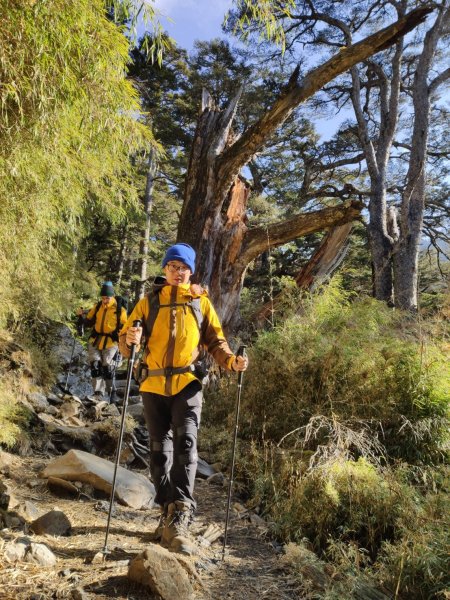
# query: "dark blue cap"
107 289
182 252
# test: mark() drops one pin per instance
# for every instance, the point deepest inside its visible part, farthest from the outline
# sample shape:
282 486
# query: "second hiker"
107 318
178 320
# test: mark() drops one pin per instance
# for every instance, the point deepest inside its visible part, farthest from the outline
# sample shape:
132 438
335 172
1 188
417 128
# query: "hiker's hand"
79 312
240 363
134 335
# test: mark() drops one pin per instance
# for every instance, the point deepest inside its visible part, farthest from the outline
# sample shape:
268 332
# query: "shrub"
416 565
359 364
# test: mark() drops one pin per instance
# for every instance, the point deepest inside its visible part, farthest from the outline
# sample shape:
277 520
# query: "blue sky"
192 19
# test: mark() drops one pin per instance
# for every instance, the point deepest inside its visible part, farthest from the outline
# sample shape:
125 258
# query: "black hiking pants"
173 423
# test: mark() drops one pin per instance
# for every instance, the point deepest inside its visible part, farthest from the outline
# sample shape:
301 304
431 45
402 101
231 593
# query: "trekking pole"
113 381
80 331
136 323
240 352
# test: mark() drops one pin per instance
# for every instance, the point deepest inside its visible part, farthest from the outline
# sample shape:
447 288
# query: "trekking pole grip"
241 352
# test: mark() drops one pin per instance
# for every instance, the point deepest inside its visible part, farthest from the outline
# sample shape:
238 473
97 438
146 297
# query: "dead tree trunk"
145 232
213 214
325 260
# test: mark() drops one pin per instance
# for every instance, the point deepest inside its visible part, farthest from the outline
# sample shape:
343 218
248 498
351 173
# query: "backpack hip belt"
169 371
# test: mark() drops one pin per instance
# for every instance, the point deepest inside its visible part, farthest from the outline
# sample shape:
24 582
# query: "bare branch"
298 90
260 239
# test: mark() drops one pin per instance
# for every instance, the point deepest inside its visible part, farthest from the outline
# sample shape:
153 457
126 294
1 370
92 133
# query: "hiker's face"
106 300
177 273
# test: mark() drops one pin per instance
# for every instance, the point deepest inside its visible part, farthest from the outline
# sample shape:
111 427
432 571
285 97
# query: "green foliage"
350 501
266 14
9 414
68 127
417 565
349 362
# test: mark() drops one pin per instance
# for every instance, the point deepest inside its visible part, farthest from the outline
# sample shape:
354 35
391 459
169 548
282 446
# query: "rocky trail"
53 527
252 568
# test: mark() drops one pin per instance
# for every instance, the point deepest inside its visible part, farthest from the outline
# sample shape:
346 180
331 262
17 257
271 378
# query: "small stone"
54 522
41 555
237 507
98 558
158 569
16 551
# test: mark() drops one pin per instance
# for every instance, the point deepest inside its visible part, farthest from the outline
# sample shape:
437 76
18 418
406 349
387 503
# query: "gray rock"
204 470
39 554
132 489
16 551
38 402
61 487
137 412
159 570
54 522
28 511
54 398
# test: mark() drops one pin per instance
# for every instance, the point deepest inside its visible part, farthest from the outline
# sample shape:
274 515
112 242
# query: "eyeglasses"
175 269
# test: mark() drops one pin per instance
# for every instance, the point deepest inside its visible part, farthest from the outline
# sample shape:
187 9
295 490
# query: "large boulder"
132 489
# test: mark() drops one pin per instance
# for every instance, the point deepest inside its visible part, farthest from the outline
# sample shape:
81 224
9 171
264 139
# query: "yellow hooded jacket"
105 323
175 338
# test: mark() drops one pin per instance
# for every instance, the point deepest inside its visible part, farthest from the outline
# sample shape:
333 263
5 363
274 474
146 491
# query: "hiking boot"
155 536
114 398
175 535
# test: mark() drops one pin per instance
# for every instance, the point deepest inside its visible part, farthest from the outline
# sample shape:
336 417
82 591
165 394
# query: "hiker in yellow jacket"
177 320
107 318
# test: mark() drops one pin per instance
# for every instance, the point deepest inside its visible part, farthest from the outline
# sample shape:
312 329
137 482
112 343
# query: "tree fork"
213 215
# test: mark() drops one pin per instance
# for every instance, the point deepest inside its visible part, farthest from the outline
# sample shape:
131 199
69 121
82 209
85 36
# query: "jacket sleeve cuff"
230 362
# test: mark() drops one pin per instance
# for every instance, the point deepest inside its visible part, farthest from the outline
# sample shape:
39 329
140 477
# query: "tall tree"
378 90
213 218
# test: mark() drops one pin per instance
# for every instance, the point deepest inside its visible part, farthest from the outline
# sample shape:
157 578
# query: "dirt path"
252 569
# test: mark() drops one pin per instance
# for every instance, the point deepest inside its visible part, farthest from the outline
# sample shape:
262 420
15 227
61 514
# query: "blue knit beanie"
182 252
107 289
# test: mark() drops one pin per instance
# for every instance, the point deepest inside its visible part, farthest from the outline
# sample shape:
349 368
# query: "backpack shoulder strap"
153 309
197 312
119 305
